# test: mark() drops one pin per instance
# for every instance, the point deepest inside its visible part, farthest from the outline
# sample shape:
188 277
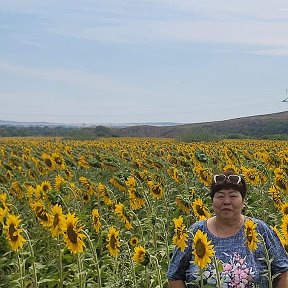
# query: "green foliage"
201 134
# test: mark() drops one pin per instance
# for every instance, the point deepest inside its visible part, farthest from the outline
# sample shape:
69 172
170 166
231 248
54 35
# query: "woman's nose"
227 200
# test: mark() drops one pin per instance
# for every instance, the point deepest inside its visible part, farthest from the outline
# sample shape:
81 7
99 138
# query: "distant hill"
270 126
260 126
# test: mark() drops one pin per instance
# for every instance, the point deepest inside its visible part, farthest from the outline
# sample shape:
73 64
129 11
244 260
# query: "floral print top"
240 267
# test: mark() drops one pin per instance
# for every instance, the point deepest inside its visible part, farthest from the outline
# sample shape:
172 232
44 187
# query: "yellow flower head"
183 204
141 256
156 189
72 234
202 249
200 211
13 232
113 242
251 234
96 220
284 226
57 221
180 237
133 242
4 209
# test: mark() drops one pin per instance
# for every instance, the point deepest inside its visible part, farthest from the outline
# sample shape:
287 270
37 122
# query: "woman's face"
227 203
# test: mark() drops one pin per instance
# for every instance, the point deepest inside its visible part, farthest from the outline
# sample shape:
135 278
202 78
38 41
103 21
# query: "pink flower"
228 267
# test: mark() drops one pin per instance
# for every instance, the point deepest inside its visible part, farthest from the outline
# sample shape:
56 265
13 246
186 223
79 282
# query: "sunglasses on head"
220 178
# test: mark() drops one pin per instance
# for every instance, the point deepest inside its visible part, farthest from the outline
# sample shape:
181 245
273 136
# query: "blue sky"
136 61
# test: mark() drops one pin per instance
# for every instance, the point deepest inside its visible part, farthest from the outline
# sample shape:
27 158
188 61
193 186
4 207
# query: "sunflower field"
109 212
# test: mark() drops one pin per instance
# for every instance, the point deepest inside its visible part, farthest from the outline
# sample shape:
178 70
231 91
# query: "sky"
142 61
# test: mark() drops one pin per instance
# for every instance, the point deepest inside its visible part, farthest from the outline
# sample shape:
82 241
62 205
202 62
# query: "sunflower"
183 204
72 234
118 183
281 180
141 256
48 160
4 209
285 244
120 211
86 183
45 186
251 175
231 167
41 212
131 182
174 173
102 191
13 232
17 190
180 237
156 189
200 211
96 220
275 193
136 202
284 226
204 174
251 234
284 208
82 162
58 160
57 221
59 182
134 241
202 249
113 242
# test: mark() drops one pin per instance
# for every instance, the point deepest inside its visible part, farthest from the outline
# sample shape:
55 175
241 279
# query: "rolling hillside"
254 126
273 126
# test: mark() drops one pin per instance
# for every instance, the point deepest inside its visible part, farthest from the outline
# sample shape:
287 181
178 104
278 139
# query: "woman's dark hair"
227 184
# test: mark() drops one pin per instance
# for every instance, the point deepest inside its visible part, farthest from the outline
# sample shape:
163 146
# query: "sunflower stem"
60 255
217 272
201 278
139 224
133 267
33 257
22 284
80 270
95 257
166 240
157 266
268 262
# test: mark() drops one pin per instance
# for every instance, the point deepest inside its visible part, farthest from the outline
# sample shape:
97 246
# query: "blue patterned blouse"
241 267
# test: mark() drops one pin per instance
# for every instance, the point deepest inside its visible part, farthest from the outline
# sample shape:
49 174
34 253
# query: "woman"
243 265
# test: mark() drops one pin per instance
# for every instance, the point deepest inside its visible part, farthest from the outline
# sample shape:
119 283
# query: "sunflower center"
179 232
200 210
96 220
48 162
56 220
72 235
42 215
45 188
2 205
156 190
249 235
200 249
285 210
113 242
11 232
